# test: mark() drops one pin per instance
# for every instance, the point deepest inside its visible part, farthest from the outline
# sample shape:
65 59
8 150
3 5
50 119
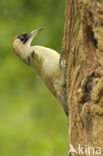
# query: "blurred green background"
32 122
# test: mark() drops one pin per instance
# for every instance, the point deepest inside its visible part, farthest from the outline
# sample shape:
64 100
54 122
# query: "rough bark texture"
83 44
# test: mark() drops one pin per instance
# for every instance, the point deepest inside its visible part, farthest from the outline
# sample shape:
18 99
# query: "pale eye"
23 37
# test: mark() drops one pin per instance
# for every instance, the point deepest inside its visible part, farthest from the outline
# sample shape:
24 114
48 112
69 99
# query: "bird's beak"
33 34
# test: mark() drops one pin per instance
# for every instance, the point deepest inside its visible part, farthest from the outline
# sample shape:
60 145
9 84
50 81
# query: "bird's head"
21 44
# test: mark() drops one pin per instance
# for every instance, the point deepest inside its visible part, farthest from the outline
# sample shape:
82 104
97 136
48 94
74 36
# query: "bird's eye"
23 37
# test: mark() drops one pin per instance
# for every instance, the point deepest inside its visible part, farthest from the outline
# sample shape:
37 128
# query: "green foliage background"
32 123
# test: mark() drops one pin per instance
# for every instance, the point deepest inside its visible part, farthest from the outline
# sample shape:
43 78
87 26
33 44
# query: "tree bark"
83 44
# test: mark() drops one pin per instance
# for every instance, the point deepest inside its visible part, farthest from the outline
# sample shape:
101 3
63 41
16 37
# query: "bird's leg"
62 62
63 66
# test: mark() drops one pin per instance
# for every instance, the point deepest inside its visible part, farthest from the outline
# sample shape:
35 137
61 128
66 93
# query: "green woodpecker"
46 63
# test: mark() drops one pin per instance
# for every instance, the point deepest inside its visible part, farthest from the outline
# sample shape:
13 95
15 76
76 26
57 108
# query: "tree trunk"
83 44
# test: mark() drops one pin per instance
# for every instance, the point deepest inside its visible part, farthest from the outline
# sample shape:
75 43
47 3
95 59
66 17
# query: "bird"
45 61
